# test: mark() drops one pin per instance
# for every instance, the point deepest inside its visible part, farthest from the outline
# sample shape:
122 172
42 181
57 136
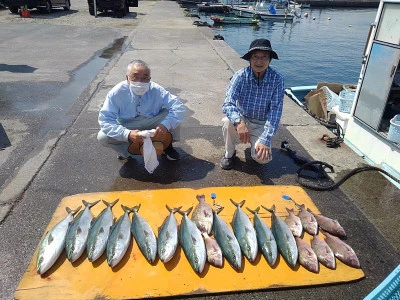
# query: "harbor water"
327 46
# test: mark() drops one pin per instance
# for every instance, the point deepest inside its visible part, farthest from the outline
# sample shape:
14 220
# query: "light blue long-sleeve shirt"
122 103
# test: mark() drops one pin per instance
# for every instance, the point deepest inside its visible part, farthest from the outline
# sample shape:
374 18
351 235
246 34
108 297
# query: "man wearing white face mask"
136 104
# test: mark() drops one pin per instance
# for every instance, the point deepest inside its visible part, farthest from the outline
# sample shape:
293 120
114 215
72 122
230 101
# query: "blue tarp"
271 9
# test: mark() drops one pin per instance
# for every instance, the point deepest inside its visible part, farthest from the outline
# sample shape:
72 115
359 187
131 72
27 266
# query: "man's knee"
103 139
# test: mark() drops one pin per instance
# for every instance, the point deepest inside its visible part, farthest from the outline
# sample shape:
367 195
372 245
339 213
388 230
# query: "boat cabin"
374 124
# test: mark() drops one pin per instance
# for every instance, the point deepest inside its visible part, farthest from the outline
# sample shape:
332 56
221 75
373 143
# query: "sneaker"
120 157
171 153
227 163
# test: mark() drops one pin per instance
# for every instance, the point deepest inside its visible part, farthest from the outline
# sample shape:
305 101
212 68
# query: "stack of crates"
346 99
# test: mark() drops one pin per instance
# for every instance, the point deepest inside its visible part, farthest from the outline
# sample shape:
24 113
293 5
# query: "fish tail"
238 204
73 212
136 208
111 204
219 209
173 210
271 210
185 212
290 210
90 204
126 208
254 211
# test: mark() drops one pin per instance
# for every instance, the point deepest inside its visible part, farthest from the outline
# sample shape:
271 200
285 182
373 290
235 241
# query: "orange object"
135 278
25 13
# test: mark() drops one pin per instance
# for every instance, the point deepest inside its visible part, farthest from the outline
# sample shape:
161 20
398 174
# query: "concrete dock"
188 62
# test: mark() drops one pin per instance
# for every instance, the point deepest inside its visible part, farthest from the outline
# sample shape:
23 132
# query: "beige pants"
231 137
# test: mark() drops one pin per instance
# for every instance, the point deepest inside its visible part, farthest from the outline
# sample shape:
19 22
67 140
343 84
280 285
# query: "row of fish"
100 234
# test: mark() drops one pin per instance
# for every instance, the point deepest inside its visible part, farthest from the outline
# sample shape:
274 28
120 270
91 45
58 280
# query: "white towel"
149 152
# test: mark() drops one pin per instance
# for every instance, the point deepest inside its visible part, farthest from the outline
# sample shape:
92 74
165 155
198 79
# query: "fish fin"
50 239
79 230
111 204
255 211
271 210
185 212
90 204
201 198
234 203
101 230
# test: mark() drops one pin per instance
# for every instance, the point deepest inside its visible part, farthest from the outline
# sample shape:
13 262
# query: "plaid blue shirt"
256 99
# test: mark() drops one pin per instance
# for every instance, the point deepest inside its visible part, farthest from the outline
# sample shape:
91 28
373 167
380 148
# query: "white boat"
373 119
265 11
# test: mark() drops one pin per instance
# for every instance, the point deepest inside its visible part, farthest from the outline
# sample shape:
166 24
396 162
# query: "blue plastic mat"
389 289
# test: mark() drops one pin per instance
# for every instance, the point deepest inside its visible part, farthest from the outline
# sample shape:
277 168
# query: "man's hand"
243 132
160 131
134 137
263 152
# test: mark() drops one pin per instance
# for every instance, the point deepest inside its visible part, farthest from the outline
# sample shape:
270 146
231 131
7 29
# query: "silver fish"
227 241
308 220
214 252
167 241
53 243
244 232
329 225
144 236
202 215
78 232
294 223
324 252
307 258
119 239
192 242
284 238
99 232
341 250
265 238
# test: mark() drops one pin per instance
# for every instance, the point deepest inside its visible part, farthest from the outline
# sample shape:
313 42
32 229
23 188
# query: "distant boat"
267 11
234 20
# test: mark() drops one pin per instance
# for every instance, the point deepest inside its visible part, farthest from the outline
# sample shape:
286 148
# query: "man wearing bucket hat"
253 105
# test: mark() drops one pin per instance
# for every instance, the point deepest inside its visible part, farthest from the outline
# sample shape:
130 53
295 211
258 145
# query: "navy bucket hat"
260 44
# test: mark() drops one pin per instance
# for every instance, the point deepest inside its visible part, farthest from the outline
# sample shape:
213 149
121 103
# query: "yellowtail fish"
119 239
53 243
78 232
99 232
167 241
284 238
227 241
244 232
192 242
144 236
265 238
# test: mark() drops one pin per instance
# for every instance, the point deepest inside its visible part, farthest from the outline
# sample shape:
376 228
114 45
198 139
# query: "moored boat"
370 110
234 20
266 12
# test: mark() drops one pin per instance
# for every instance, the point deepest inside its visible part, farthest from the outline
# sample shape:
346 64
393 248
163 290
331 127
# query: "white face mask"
139 88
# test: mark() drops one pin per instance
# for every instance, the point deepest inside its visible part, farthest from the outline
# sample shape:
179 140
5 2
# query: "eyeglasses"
262 58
